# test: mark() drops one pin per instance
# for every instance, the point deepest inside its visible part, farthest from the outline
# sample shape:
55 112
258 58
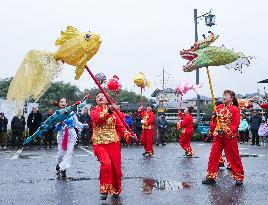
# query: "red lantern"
113 84
264 105
249 106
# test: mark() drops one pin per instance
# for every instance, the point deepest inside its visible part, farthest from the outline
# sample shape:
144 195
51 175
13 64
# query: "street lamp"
209 21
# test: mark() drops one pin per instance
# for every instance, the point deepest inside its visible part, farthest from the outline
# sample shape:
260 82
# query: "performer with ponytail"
225 138
66 139
187 128
106 145
210 135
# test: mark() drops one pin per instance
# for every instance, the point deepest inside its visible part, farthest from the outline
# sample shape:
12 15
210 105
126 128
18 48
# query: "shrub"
172 134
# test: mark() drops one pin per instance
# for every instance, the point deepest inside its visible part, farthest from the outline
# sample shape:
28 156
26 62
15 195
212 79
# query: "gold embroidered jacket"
148 119
229 118
106 126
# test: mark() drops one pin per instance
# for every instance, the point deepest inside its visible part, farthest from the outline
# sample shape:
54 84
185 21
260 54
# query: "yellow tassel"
34 76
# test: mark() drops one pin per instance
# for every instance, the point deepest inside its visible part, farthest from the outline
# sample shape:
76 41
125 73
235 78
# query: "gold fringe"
34 76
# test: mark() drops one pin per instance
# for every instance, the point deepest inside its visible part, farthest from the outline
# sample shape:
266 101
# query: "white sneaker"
1 147
5 148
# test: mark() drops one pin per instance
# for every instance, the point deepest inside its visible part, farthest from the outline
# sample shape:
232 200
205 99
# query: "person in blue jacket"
243 129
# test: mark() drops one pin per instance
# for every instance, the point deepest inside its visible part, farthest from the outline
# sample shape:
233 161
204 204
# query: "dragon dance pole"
213 98
179 108
109 100
142 101
179 111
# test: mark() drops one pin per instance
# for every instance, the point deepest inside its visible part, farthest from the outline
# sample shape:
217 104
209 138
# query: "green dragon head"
201 54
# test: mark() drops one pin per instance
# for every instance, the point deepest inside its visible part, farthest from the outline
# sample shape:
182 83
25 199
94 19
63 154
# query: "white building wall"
8 108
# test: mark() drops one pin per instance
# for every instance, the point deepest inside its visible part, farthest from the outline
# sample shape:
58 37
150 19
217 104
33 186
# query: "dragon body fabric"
204 55
40 68
57 117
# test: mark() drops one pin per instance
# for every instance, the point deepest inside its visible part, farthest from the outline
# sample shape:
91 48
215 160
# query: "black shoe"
164 144
157 144
221 165
57 167
144 153
116 196
149 155
103 196
258 145
188 155
209 181
63 174
229 168
238 183
252 144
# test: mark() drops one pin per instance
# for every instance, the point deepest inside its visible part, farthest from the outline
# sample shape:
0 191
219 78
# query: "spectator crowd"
254 128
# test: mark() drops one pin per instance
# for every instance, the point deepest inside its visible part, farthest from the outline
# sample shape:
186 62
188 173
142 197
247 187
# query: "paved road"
28 177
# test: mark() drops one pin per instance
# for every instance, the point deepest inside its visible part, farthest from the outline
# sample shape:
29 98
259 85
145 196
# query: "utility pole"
197 70
210 21
163 78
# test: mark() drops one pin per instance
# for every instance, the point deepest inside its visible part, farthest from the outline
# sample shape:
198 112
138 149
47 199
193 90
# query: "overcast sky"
139 35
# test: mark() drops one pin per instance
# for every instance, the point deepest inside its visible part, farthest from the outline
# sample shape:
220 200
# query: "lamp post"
209 21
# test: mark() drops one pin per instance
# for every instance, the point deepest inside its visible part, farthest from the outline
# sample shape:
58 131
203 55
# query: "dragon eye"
87 37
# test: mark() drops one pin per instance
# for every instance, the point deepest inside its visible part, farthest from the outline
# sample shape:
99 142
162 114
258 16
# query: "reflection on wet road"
150 184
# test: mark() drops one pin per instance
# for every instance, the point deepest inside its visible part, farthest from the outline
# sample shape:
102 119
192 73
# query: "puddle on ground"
249 155
149 185
88 178
73 179
27 156
6 152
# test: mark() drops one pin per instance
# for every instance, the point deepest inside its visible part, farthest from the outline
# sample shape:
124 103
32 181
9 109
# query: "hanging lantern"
245 103
264 106
210 20
141 81
113 84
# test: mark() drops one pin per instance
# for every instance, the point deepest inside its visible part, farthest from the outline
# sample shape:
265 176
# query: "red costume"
123 116
187 127
229 119
147 132
210 134
106 145
221 161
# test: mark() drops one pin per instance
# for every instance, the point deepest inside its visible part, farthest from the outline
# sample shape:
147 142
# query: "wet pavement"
28 177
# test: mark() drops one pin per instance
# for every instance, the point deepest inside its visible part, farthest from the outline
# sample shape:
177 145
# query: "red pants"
230 148
147 140
185 140
222 161
109 156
